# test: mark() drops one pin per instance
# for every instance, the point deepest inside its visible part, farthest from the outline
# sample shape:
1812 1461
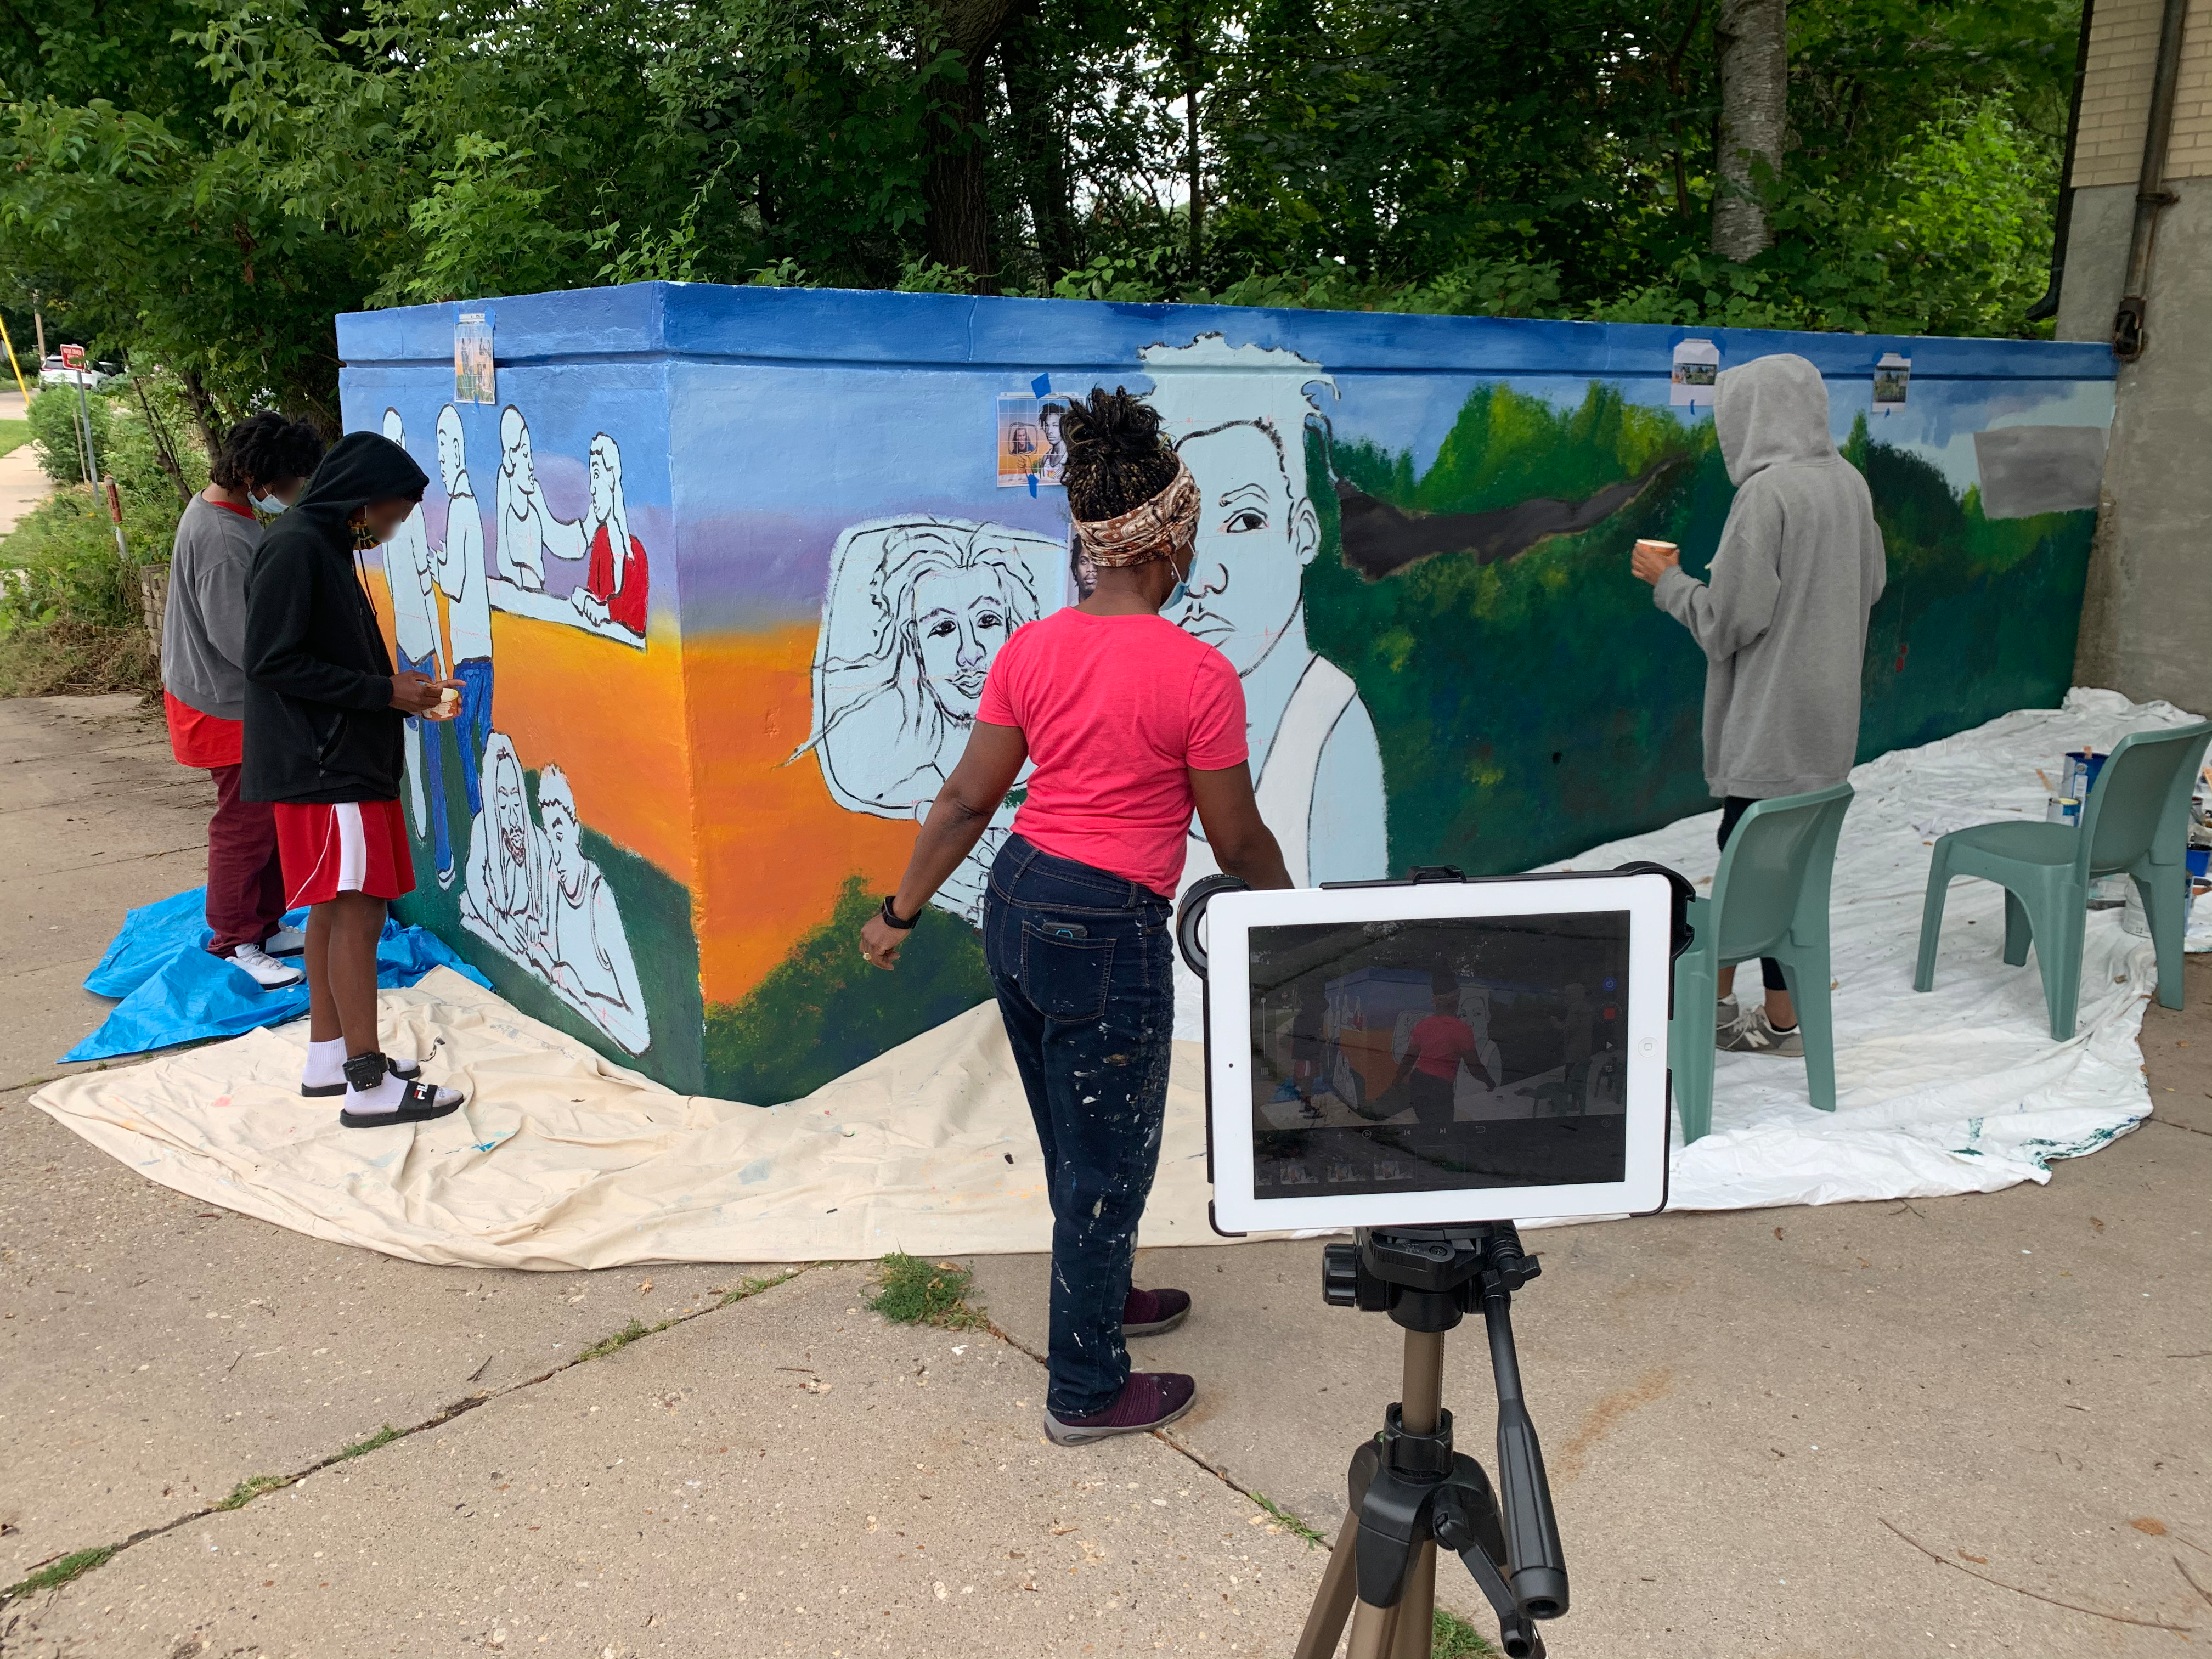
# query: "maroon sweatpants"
244 882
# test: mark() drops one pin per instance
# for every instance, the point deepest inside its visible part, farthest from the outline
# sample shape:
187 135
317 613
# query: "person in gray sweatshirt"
262 467
1782 618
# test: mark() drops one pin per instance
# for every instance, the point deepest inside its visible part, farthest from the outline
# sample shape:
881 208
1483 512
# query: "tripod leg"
1417 1608
1374 1631
1332 1602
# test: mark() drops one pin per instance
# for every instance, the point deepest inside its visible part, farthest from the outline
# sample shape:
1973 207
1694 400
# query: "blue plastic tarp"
173 991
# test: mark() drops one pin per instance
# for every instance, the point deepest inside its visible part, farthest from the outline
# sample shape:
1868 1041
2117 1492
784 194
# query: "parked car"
91 376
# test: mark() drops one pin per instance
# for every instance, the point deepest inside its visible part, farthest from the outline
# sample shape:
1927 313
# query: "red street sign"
73 357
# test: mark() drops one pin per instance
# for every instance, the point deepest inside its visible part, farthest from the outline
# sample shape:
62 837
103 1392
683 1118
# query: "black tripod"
1410 1490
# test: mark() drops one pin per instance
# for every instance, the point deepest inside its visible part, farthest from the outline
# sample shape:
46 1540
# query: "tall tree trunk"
1752 37
1190 80
1041 143
208 422
959 231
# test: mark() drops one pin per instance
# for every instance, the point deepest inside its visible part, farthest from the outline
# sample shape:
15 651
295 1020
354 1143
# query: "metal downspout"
2129 333
2064 220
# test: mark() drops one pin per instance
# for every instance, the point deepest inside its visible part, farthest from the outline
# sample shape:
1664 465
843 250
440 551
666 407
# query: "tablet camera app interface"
1434 1055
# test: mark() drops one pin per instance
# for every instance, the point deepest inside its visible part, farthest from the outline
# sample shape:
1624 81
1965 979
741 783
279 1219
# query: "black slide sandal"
418 1103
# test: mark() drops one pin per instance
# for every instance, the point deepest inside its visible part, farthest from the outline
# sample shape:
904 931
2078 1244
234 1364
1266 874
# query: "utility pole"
38 323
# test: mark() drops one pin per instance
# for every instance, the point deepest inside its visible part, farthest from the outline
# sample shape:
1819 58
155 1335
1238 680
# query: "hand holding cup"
1651 560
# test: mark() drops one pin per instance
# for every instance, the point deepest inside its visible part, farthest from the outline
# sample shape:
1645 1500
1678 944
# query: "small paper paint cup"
1646 544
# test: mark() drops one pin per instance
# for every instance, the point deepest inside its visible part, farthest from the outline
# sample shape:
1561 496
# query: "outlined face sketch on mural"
609 592
1238 416
503 903
916 611
533 894
583 951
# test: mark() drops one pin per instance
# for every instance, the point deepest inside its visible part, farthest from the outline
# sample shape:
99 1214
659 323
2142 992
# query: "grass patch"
13 434
247 1491
383 1437
1288 1523
622 1338
73 1565
746 1287
68 659
912 1291
1455 1638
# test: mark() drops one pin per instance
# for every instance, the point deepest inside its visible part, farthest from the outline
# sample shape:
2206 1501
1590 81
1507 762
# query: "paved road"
1878 1430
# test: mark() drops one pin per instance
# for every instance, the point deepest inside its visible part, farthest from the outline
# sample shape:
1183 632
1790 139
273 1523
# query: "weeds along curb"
65 1568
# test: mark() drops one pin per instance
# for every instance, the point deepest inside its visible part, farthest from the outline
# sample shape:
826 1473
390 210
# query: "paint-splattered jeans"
1080 961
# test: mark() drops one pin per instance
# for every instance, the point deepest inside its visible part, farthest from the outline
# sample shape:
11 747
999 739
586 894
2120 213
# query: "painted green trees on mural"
823 1011
1530 707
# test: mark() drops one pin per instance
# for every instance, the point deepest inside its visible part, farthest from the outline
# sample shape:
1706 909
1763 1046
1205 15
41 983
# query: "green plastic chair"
1769 899
2136 822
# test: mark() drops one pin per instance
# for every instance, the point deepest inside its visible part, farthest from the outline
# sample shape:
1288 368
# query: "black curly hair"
266 449
1116 457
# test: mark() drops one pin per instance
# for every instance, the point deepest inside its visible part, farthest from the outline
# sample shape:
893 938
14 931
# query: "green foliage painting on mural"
656 916
823 1011
1530 707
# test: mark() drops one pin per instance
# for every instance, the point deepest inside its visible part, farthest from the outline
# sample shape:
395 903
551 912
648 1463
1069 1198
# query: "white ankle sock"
385 1097
325 1063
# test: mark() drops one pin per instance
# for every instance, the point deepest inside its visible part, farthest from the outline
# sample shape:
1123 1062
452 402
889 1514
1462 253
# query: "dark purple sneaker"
1149 1400
1148 1313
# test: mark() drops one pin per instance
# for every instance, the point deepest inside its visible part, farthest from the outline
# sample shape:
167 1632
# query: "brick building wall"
2148 614
2115 94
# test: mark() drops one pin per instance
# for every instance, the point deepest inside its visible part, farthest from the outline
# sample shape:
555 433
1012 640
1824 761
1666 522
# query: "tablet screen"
1438 1053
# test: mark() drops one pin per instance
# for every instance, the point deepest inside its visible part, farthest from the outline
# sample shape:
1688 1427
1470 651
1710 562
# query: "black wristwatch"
891 917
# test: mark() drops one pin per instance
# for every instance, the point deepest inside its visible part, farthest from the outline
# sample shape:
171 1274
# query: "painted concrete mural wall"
723 571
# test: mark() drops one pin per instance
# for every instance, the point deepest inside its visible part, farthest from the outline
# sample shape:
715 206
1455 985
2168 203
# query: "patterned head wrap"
1166 524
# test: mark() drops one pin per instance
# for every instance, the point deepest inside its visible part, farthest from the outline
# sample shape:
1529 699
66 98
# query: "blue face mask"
268 506
1182 592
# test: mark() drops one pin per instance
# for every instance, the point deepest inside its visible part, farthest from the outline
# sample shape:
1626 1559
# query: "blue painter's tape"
1042 386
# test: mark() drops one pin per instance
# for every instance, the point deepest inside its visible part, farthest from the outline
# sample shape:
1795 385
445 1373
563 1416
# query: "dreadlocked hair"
266 448
1116 457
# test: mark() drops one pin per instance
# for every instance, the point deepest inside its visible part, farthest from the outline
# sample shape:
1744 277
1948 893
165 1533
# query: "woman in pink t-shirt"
1133 724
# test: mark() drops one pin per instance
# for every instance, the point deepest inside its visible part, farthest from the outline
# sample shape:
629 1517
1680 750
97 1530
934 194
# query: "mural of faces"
917 611
961 618
1257 532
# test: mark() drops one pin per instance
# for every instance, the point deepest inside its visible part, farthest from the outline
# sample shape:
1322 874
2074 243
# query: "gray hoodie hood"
1771 411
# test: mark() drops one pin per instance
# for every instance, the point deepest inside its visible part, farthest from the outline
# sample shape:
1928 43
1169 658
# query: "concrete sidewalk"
1970 1425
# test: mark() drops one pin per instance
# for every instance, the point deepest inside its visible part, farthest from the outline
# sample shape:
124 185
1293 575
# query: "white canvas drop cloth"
1961 1089
562 1160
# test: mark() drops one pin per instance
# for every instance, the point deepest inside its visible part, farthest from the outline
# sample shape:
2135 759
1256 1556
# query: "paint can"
2079 774
2063 809
2191 875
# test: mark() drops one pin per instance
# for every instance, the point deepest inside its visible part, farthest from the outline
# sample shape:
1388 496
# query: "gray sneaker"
1753 1033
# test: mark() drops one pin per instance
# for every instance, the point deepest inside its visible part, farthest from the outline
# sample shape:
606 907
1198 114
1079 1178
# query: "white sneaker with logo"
285 942
1753 1033
264 969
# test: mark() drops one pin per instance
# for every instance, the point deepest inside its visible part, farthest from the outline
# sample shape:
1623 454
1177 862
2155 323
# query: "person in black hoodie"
325 715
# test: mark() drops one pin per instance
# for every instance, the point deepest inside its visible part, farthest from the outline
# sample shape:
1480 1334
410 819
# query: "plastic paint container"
2063 809
2079 774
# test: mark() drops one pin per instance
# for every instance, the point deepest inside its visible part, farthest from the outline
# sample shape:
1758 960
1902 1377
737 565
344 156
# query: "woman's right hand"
880 942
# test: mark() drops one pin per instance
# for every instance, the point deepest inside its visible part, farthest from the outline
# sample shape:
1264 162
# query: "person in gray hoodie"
262 467
1782 618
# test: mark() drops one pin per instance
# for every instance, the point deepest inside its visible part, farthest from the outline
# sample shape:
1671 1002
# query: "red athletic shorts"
352 847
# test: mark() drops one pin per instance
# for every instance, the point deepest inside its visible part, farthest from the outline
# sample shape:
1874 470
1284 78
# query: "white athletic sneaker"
264 969
285 942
